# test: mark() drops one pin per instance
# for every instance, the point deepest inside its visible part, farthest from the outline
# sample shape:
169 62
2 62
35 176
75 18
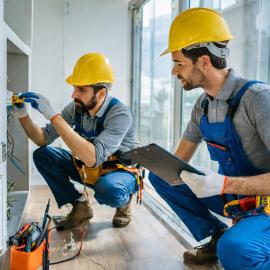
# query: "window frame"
151 199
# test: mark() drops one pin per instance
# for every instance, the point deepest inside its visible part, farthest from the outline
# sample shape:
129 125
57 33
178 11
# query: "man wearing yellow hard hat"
232 118
97 128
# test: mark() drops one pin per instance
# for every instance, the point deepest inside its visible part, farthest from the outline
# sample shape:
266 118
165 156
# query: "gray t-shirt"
251 120
118 133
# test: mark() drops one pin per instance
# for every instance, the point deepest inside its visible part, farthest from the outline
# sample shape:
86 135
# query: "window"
155 86
216 4
153 89
161 110
155 100
249 52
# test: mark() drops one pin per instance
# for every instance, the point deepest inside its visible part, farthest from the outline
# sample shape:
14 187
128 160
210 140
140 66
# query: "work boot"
122 215
205 253
80 212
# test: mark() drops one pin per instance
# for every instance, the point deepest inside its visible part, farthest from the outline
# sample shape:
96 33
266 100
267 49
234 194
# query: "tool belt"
90 175
248 206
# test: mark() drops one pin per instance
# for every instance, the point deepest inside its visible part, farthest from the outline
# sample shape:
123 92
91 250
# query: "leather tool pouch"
90 175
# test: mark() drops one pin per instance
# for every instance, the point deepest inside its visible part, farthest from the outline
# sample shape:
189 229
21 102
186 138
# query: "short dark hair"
100 86
195 53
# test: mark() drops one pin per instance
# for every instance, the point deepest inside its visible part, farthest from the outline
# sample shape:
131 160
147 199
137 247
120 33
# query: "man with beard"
232 117
96 127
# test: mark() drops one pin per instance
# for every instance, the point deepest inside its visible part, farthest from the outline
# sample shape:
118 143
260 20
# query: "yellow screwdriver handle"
17 100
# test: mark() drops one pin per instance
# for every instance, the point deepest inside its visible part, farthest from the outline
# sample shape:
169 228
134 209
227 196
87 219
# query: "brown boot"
205 253
80 212
122 215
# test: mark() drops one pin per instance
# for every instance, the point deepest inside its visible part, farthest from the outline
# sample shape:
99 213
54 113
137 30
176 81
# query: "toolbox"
21 260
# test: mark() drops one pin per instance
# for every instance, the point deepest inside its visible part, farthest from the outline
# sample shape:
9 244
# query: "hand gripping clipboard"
161 162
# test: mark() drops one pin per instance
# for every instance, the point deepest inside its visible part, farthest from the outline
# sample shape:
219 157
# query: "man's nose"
74 94
174 71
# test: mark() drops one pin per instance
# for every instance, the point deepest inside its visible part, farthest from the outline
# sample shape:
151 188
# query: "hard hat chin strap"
217 51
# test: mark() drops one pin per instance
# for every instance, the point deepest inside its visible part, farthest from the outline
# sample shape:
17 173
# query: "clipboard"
161 162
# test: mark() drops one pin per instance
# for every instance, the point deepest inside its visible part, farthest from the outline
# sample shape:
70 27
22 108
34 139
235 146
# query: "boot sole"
120 225
209 261
63 228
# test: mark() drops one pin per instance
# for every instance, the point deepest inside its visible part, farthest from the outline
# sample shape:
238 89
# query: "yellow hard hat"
197 25
91 68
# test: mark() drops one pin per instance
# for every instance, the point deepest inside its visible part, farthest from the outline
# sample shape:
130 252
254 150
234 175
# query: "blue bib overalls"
247 244
90 135
56 166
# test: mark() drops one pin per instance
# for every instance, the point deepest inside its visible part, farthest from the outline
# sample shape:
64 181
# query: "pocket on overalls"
218 152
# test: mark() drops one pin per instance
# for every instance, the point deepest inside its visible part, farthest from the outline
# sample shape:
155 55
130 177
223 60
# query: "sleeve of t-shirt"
68 114
193 132
116 125
259 114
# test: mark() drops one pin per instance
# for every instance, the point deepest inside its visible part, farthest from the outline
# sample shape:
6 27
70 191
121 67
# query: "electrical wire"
10 141
74 256
10 150
80 252
15 165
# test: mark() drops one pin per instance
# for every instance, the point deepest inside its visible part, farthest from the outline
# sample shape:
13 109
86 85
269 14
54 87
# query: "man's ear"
102 92
204 62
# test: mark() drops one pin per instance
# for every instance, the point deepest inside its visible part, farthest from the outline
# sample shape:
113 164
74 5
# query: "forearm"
251 185
186 150
79 146
34 132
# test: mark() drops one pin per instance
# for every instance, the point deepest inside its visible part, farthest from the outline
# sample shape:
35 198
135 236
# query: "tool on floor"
32 237
69 246
44 227
18 238
30 245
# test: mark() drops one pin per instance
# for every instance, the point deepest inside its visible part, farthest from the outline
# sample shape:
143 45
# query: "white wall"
48 53
18 15
99 26
63 30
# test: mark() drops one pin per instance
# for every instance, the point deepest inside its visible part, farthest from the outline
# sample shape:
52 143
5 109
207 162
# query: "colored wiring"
74 256
79 253
10 151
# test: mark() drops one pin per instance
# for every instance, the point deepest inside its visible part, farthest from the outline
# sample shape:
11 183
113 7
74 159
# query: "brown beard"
83 108
191 85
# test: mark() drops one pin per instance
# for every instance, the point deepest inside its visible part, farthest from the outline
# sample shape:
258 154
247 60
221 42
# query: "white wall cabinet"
15 65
